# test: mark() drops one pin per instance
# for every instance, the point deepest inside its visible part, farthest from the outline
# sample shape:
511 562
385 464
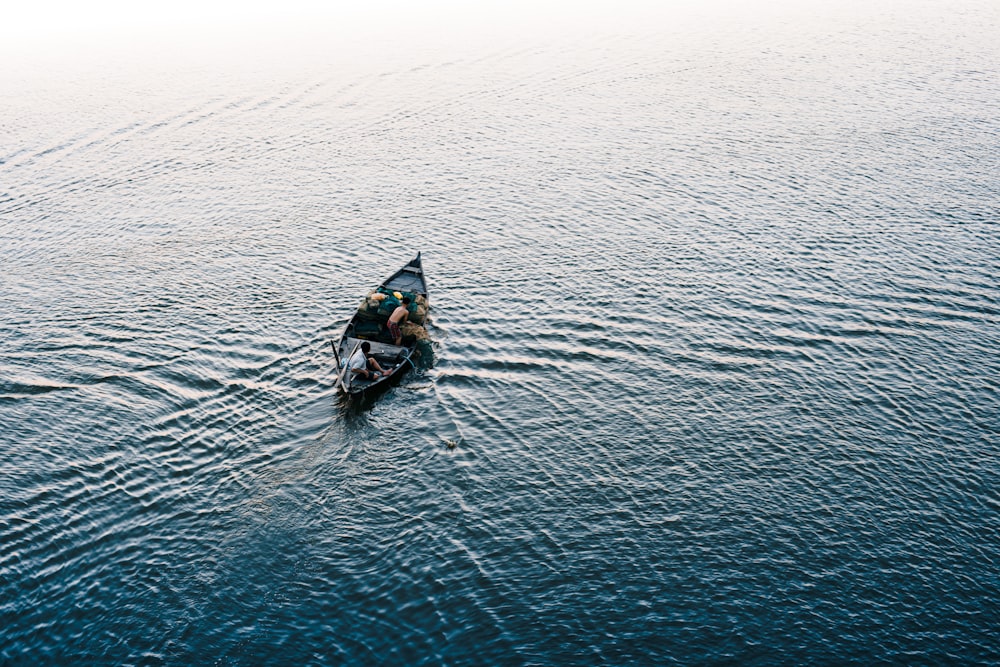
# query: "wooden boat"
369 324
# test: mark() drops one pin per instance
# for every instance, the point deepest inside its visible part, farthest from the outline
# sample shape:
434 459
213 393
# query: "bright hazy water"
716 307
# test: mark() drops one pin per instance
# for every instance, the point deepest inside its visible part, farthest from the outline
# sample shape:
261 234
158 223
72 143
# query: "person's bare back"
400 315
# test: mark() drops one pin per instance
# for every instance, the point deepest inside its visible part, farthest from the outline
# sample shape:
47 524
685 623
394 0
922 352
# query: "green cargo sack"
389 304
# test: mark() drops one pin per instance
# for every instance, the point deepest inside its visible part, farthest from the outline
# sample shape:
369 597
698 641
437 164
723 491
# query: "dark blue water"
716 315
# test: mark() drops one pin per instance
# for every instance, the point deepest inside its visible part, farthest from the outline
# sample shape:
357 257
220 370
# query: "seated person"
363 365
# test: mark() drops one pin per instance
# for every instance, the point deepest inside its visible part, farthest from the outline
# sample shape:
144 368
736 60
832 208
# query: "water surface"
716 315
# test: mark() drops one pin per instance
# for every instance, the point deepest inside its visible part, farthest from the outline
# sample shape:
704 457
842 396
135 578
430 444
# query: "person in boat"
363 364
396 320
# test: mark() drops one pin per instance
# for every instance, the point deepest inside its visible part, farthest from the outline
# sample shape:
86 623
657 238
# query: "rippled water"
716 312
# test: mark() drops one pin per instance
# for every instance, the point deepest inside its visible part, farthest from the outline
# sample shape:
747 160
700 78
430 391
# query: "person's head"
366 347
406 301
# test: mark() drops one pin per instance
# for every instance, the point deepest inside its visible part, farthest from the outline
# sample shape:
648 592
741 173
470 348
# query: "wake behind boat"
370 324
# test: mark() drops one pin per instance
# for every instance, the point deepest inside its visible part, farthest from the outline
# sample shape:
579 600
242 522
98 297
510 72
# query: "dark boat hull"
367 326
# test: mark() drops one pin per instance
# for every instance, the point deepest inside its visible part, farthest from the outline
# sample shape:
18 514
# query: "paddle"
336 353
